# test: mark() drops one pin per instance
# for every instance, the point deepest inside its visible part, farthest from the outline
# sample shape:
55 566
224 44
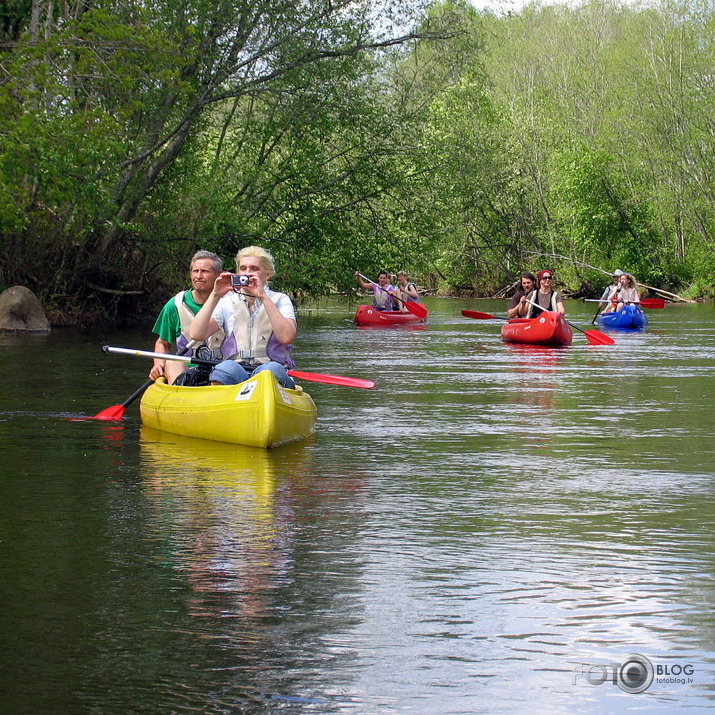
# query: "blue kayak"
630 317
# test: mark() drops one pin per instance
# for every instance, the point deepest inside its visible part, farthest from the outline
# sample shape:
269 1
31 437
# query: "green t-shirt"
168 325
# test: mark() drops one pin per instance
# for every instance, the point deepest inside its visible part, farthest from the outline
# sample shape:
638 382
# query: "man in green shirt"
172 325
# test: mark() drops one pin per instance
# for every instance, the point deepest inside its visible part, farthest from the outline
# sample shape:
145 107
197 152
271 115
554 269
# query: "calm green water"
472 535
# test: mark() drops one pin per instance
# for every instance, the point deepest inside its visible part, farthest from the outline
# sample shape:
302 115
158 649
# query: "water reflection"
486 516
238 529
535 379
392 326
219 509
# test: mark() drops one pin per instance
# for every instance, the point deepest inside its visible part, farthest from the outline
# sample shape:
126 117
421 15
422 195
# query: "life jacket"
381 298
407 297
533 311
213 342
252 339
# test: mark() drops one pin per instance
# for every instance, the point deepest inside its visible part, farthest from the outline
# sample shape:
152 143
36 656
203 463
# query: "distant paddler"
406 290
382 291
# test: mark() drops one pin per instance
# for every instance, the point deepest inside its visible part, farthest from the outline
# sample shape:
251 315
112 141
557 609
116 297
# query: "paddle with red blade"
116 412
478 315
594 337
308 376
332 379
651 303
415 308
655 303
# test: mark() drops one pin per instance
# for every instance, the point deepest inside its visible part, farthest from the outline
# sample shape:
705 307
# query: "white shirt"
225 311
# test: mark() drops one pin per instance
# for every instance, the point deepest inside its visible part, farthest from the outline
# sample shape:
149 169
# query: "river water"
490 529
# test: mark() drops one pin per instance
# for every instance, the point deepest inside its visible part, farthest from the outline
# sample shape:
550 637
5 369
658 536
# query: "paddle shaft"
138 393
309 376
189 346
598 310
158 356
652 303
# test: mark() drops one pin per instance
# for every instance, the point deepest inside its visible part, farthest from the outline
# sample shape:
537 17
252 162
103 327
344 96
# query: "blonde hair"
260 253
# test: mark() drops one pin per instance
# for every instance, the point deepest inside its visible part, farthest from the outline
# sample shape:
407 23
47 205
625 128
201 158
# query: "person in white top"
406 290
605 300
259 323
628 293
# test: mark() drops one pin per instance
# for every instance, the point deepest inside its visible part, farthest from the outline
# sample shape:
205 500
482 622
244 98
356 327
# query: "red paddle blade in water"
416 309
116 412
653 303
477 314
597 338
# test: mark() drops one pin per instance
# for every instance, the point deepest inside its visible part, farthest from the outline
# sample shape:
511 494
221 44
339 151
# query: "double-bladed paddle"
415 308
594 337
652 303
307 376
116 412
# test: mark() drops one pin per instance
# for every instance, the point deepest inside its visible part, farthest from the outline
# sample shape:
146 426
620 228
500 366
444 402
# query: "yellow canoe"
257 413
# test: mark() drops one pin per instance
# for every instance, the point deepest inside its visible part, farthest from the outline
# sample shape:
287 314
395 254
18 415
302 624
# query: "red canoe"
549 328
367 315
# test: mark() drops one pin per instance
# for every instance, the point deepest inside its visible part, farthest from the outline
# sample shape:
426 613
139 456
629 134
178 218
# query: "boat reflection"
223 515
382 326
537 355
187 458
536 358
536 380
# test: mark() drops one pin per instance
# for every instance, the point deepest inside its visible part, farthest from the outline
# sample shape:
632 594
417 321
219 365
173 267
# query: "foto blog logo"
632 675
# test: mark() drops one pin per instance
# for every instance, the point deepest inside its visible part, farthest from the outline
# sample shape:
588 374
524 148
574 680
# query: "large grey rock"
20 311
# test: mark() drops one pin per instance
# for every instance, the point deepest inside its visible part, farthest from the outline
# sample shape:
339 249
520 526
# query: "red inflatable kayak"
367 315
549 328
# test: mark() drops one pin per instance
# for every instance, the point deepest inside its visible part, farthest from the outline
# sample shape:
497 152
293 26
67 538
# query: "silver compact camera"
239 281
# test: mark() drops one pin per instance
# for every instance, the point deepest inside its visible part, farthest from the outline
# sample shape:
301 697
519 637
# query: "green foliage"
134 134
585 144
599 218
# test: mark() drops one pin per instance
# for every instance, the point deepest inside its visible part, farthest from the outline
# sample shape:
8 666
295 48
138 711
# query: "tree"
106 106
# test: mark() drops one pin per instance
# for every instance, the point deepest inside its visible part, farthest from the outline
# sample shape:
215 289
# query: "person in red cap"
545 297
